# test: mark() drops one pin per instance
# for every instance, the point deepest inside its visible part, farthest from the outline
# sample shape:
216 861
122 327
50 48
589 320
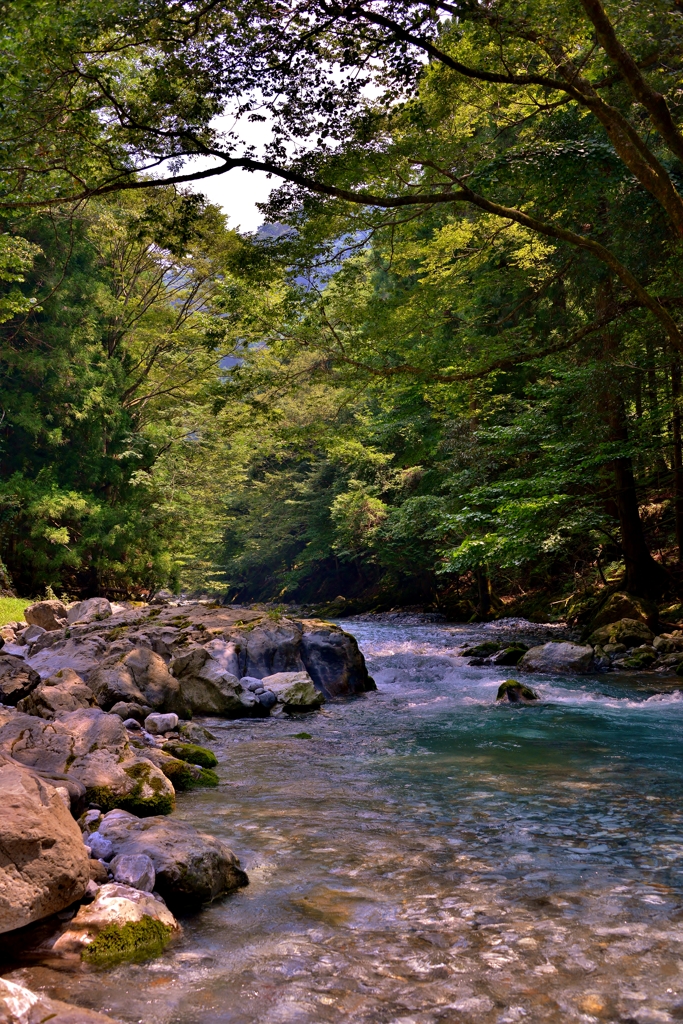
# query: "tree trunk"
644 576
678 454
484 606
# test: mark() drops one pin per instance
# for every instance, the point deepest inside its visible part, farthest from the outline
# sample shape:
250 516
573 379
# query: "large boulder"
333 660
58 695
19 1005
208 688
91 610
191 868
92 749
48 614
17 679
329 655
558 657
44 865
269 648
294 690
630 632
122 923
625 606
139 677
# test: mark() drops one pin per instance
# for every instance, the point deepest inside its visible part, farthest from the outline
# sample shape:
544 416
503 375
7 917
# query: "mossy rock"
581 608
484 650
511 655
515 692
185 775
630 632
621 605
135 940
192 753
639 660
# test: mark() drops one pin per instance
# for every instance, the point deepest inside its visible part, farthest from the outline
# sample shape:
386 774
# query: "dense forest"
446 373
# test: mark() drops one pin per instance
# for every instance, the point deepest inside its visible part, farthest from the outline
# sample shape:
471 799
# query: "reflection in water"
431 856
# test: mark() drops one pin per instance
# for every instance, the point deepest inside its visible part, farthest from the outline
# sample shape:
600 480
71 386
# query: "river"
430 856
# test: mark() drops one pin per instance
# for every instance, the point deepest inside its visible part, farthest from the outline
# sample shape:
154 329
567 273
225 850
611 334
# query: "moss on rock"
134 940
192 753
186 776
515 692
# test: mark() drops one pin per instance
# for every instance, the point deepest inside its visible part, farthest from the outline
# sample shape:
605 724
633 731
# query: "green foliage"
468 374
105 382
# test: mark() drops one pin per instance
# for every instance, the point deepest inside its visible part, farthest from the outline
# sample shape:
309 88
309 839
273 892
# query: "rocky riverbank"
96 737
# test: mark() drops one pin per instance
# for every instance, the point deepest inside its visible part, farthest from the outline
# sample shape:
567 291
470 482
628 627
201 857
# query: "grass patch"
12 609
302 736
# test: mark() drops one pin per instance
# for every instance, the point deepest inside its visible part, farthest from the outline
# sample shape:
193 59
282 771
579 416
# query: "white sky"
238 191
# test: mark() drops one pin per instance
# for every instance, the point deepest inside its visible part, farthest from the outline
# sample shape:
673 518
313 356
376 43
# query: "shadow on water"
430 856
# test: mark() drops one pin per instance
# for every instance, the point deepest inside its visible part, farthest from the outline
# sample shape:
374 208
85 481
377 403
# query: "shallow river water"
430 856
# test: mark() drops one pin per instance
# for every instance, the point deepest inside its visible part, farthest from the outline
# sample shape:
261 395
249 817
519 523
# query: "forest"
446 372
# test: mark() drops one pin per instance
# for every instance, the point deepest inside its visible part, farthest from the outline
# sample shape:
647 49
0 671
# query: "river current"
428 855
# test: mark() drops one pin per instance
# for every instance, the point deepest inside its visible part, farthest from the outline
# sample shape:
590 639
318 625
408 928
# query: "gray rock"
43 862
94 608
17 679
226 655
48 614
90 819
333 660
31 634
82 655
267 699
91 750
249 683
58 695
157 724
134 869
330 655
294 690
194 733
139 677
100 848
127 710
207 687
191 868
558 657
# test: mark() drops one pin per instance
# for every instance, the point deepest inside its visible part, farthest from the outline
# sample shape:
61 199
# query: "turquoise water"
431 856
